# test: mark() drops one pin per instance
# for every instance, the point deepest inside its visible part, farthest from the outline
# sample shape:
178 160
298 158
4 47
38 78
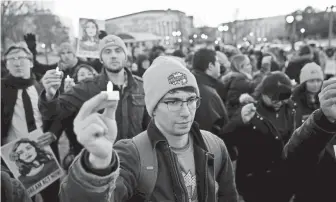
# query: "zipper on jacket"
206 178
177 174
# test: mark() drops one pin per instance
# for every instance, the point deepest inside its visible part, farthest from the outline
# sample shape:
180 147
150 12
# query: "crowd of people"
222 124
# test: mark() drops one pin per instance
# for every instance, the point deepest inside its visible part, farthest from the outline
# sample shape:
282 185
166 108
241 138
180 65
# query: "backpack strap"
148 164
214 148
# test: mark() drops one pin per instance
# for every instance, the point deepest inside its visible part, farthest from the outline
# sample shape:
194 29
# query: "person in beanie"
19 107
185 168
131 115
305 95
260 140
212 114
311 152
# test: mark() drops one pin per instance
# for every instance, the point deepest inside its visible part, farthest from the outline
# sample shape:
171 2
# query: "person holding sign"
131 114
173 160
20 116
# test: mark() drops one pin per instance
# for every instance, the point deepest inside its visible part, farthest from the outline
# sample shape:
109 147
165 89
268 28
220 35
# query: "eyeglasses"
176 105
20 59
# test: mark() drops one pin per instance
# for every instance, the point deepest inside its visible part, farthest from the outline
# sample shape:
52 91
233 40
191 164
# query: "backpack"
149 164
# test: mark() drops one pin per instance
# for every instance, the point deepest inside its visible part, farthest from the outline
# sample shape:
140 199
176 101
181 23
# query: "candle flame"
68 77
109 87
57 69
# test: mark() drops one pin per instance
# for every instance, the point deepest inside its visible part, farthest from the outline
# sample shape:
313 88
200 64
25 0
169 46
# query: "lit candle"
68 79
111 94
58 71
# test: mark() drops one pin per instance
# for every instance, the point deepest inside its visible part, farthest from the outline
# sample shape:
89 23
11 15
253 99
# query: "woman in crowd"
260 140
82 72
305 95
238 82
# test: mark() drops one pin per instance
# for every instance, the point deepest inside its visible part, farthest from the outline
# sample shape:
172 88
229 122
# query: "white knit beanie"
311 71
165 74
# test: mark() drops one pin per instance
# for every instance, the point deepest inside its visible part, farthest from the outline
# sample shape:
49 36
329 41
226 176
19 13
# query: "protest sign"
88 40
35 166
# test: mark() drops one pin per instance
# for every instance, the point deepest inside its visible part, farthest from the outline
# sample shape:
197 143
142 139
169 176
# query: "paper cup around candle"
111 94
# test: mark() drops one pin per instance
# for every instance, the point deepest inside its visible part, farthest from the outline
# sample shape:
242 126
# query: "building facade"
161 23
255 30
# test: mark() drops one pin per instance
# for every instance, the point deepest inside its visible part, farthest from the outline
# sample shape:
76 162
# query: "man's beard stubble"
115 71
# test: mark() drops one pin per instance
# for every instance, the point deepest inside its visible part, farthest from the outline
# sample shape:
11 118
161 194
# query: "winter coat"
238 84
304 106
312 160
131 115
259 174
119 182
212 114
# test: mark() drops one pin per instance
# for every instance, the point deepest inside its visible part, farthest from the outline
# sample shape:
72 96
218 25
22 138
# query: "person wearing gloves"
185 169
260 140
305 96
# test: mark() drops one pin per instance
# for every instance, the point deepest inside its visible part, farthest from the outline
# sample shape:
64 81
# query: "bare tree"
13 14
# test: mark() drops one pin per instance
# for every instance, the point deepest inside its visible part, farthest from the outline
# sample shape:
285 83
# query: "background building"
171 26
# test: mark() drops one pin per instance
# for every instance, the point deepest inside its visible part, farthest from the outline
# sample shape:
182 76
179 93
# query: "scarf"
9 87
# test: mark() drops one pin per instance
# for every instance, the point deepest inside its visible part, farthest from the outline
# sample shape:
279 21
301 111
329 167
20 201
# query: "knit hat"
66 46
111 40
276 85
311 71
165 74
22 46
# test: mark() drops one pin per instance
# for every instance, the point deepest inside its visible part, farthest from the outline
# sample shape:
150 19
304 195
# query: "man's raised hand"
97 132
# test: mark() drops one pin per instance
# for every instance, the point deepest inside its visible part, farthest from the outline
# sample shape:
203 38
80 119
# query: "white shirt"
18 127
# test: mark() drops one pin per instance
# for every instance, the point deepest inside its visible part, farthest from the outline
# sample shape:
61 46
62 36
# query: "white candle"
58 71
111 94
68 79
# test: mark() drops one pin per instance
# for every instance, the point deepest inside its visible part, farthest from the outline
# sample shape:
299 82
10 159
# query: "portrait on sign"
88 37
33 165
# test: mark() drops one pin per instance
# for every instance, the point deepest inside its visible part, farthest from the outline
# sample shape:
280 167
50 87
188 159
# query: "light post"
330 10
222 29
302 30
293 19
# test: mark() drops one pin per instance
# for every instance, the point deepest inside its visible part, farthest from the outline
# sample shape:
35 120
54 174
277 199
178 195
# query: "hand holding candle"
112 95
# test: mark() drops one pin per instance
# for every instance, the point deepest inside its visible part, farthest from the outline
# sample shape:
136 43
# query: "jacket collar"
103 79
156 136
205 79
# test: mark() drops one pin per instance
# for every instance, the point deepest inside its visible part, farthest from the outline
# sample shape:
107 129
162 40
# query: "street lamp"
331 23
293 19
302 30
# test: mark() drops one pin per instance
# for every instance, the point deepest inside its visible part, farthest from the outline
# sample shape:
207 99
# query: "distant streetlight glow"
190 41
264 39
290 19
167 37
179 40
259 39
223 28
302 30
216 42
178 33
251 34
43 45
195 36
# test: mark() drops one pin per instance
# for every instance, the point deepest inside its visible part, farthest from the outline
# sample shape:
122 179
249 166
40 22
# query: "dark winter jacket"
260 144
121 180
212 114
131 115
312 160
238 84
305 106
11 189
293 69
